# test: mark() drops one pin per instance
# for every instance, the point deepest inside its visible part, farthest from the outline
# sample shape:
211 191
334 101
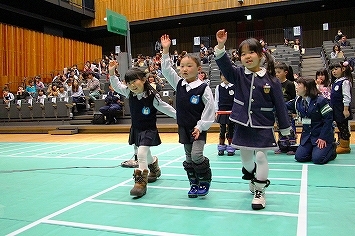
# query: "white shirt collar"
260 73
193 84
224 85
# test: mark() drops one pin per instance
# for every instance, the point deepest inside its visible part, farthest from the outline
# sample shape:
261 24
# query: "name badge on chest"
306 121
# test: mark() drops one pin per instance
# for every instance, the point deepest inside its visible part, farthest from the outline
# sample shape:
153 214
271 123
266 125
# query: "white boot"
259 201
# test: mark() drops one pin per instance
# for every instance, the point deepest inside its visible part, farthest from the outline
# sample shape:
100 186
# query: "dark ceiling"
37 14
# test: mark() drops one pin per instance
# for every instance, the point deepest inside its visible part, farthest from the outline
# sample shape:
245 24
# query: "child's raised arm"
221 37
165 43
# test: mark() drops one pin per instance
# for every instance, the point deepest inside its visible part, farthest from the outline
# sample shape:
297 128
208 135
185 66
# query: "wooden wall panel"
149 9
26 53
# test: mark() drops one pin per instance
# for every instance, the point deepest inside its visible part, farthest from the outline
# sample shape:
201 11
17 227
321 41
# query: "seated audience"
112 106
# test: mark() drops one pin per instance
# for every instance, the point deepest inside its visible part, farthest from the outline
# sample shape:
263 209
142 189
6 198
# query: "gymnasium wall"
27 53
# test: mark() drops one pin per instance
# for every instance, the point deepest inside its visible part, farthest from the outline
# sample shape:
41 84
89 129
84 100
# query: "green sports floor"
80 189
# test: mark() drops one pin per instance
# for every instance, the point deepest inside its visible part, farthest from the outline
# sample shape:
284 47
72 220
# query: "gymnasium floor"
77 188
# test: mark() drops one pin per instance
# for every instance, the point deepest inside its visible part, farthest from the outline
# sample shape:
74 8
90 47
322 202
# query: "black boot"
191 175
204 175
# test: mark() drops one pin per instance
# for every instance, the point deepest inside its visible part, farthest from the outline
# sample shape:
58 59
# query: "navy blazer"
257 99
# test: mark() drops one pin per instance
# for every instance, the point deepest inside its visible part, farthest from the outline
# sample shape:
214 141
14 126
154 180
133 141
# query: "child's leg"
260 181
229 136
154 170
344 137
191 174
201 166
247 160
142 157
249 167
141 174
222 136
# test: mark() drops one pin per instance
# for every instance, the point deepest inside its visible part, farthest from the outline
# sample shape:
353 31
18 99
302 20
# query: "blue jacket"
321 116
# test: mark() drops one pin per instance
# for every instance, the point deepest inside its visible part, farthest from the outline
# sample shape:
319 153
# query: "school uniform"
189 110
112 106
224 95
194 110
256 102
143 109
144 130
338 96
317 123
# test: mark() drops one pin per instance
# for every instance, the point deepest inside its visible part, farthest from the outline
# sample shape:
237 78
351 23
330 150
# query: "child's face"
151 79
250 59
301 89
61 89
40 92
136 86
320 79
280 74
337 72
189 69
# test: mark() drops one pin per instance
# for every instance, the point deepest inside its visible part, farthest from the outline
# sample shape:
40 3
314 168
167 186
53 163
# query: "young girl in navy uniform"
317 138
257 95
144 101
195 114
223 98
340 99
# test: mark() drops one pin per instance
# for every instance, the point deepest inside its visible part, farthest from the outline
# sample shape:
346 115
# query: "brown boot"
344 147
154 171
140 186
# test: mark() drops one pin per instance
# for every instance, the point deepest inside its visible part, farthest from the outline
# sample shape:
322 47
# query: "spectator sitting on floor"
113 105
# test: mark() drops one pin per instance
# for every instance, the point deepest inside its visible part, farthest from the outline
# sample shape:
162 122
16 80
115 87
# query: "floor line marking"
37 222
233 177
112 228
239 168
220 190
302 208
195 208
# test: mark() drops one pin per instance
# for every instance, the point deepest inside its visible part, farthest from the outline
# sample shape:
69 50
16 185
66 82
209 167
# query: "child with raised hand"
195 115
257 96
223 98
340 99
144 101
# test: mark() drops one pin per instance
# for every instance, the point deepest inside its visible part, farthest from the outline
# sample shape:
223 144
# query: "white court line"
112 228
14 147
46 218
251 212
91 147
37 148
237 168
302 208
234 177
221 190
105 151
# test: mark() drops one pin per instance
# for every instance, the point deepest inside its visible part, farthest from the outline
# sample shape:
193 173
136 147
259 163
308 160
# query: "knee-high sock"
142 155
150 158
262 166
247 159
